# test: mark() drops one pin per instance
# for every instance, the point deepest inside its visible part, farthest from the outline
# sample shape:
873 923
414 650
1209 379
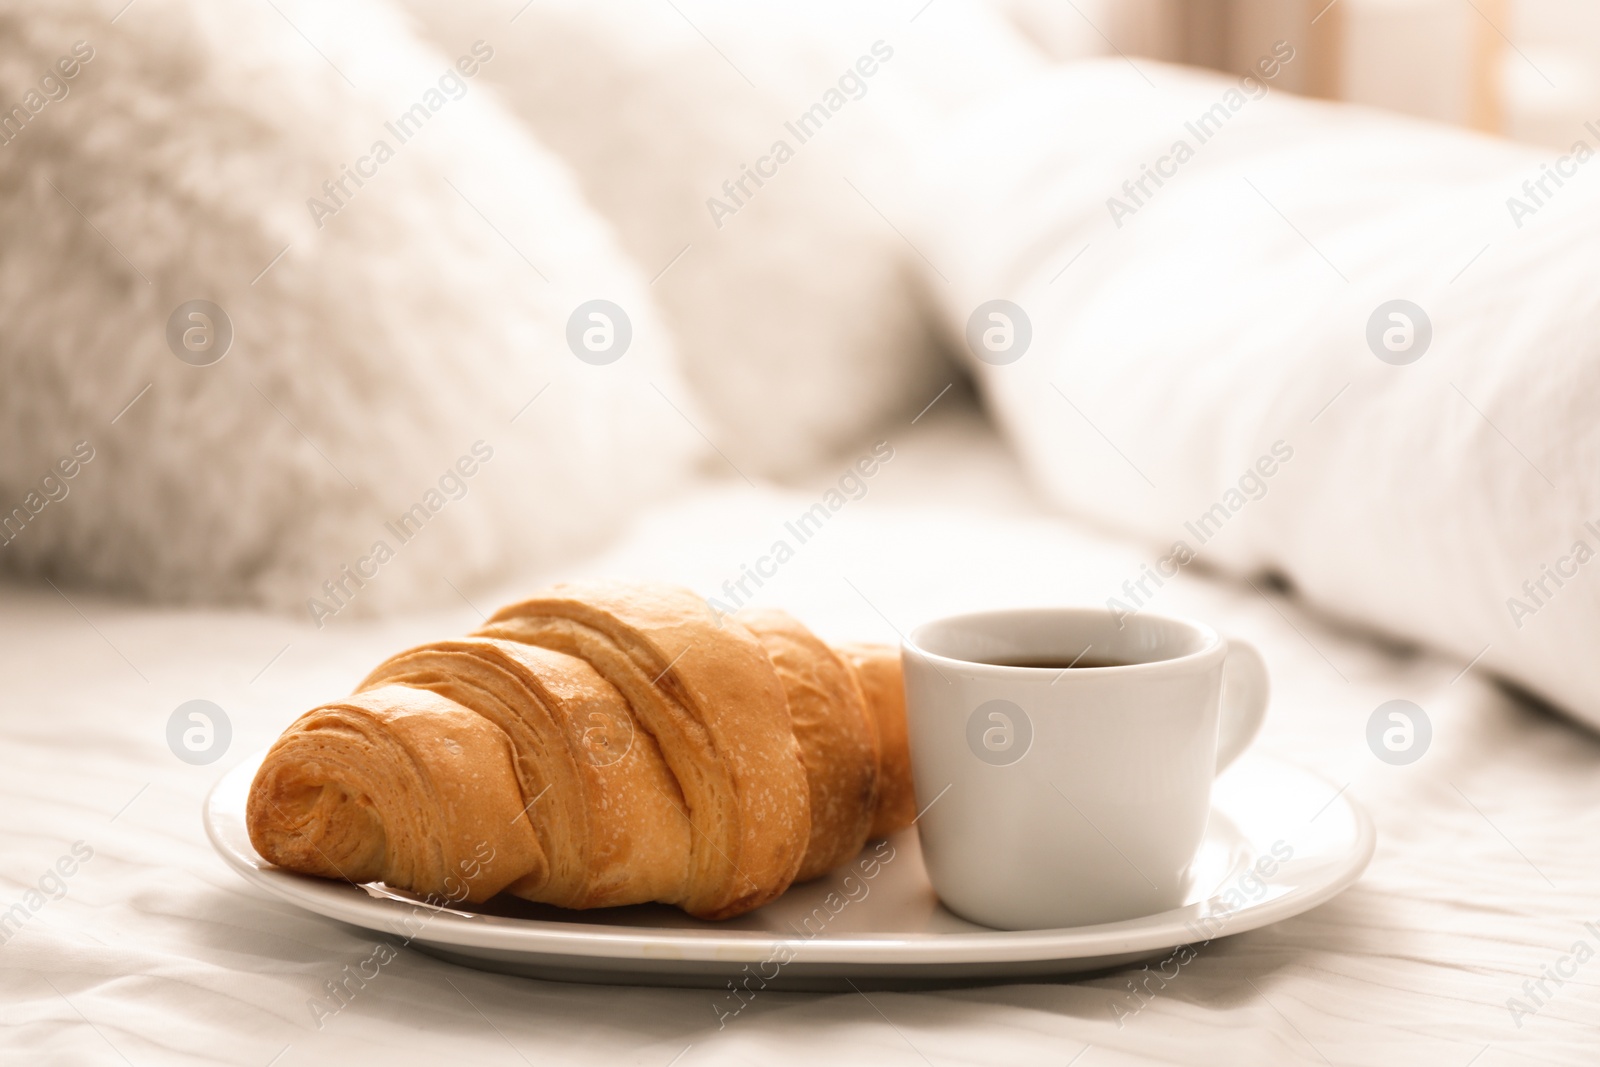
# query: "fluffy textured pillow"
1217 362
397 261
799 305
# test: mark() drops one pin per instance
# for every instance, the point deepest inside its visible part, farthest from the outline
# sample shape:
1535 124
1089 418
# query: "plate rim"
547 940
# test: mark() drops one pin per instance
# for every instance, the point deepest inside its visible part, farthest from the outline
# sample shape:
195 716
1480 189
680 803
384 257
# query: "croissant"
598 745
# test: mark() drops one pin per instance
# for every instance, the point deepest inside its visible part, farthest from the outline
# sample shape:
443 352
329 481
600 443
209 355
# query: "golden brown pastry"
609 813
838 742
396 785
877 668
598 745
706 691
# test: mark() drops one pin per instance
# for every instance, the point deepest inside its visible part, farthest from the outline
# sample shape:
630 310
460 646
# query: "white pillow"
384 343
1200 371
798 303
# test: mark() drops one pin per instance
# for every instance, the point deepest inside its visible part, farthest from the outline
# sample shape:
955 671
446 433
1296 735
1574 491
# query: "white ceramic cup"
1068 796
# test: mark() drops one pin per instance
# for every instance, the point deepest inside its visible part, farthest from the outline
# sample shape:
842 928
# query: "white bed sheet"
158 954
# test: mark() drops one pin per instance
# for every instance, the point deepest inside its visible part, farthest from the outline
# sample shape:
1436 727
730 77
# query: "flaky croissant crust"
601 744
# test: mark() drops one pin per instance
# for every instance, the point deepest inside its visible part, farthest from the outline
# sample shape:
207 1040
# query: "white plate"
872 923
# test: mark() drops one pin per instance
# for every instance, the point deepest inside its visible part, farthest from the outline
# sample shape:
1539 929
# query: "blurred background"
1523 68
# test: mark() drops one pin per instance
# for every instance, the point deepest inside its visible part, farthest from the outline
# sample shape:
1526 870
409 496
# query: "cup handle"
1245 689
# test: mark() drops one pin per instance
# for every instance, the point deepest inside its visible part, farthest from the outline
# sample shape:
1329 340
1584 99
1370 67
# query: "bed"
1460 945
